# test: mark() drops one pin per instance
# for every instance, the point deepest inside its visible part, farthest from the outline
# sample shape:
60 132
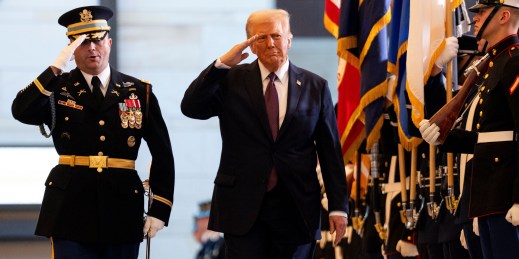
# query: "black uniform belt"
98 162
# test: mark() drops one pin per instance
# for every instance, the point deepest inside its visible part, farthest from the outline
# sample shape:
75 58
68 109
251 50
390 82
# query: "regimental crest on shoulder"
86 15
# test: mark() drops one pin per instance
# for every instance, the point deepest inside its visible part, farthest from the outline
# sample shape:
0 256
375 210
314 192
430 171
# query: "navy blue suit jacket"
309 130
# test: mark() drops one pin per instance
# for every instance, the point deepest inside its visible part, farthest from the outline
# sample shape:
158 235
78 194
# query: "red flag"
362 51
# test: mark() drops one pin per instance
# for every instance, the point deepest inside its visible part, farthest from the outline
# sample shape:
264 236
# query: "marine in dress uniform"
451 225
444 243
94 198
494 190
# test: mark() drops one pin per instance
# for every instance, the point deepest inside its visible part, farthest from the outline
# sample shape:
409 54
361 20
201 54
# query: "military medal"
131 108
123 113
131 118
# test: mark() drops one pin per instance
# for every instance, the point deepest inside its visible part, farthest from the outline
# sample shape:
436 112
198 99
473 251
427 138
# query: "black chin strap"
489 18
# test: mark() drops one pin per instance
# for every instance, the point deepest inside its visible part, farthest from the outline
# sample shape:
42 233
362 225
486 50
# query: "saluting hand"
236 55
66 55
338 225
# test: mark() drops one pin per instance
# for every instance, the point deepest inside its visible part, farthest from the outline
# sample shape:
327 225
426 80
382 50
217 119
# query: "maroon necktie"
272 105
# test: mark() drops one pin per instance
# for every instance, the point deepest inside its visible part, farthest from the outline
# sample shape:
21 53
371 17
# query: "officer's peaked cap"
488 3
89 20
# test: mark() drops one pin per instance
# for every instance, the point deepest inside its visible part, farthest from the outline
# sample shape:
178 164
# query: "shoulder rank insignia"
146 81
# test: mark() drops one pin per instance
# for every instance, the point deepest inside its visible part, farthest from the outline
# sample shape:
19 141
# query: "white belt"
495 136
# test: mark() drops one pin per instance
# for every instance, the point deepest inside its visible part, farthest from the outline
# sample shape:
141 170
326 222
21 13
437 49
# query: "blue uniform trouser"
66 249
499 238
473 242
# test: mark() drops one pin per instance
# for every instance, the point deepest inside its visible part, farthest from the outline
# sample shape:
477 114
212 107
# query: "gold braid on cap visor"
84 27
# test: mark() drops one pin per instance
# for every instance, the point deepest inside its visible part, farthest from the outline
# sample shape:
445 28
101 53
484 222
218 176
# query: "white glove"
67 54
475 226
449 52
463 241
152 226
513 215
430 132
406 249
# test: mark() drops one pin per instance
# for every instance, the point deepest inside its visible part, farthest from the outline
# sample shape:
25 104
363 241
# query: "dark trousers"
499 238
473 243
430 251
66 249
454 250
278 233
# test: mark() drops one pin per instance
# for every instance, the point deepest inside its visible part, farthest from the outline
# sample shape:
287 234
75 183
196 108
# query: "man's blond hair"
266 15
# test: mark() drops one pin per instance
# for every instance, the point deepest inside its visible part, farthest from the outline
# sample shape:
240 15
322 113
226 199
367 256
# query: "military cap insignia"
86 15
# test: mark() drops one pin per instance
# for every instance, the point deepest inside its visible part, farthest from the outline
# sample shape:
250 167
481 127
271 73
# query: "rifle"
446 117
375 195
357 219
432 207
411 213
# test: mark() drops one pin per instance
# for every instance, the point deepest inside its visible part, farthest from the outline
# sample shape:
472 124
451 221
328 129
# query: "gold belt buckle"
98 162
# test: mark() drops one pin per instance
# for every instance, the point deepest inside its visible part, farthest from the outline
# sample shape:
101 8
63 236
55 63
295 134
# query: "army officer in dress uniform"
94 199
494 189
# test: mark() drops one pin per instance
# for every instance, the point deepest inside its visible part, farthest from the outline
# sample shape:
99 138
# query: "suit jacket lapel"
254 85
295 87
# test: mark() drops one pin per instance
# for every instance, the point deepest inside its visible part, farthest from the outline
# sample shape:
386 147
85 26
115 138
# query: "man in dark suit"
93 204
275 119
